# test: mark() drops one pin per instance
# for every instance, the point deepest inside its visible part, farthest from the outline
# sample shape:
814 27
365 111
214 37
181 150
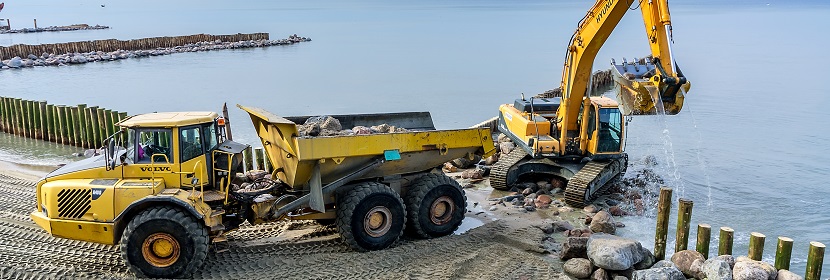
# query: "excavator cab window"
610 130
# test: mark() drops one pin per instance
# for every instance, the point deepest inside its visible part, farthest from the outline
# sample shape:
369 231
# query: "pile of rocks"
597 255
51 59
56 28
330 126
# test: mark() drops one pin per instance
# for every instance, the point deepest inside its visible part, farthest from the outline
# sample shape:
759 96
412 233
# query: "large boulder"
647 262
603 222
578 267
15 62
788 275
574 247
715 269
662 273
746 269
684 260
613 252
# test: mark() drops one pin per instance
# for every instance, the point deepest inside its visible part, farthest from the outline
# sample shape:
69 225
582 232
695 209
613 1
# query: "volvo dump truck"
578 138
166 188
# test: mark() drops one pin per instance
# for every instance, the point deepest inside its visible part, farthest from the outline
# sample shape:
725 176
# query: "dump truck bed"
420 149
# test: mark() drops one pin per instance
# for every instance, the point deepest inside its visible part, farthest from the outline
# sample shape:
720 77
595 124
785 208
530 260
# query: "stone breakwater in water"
73 27
52 59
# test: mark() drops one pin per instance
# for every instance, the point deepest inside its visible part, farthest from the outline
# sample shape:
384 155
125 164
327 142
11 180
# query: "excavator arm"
642 86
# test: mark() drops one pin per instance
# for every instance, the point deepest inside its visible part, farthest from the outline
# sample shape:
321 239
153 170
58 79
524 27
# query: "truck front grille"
73 203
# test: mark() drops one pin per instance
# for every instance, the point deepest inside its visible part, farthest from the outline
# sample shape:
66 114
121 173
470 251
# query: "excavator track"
498 175
586 184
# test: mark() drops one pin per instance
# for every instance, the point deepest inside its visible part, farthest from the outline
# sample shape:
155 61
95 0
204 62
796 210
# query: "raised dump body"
420 149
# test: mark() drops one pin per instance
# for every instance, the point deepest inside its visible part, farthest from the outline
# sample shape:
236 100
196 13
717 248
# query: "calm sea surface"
751 147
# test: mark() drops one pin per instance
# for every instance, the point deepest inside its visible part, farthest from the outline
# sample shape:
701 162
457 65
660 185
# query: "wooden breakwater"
81 125
109 45
783 252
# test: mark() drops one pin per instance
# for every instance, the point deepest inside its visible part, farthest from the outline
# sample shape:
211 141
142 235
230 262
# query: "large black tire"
164 242
370 216
436 205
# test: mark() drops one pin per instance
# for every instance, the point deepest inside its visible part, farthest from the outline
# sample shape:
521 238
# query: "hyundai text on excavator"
578 138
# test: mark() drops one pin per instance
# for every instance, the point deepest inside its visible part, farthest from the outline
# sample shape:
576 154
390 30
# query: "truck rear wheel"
436 205
164 242
370 216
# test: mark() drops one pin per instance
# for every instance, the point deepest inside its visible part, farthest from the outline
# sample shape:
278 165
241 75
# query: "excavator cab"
604 130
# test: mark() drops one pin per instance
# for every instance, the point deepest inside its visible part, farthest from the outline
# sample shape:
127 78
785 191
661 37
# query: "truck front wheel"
370 216
164 242
436 205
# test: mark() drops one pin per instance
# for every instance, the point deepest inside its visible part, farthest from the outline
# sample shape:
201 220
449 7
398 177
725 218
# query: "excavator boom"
580 138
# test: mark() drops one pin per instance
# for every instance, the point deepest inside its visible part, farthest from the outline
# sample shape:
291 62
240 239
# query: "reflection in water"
35 152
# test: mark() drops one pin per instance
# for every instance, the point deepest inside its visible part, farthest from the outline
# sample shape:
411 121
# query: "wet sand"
490 245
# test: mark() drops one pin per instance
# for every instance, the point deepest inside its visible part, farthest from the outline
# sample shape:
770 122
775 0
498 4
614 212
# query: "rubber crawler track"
498 175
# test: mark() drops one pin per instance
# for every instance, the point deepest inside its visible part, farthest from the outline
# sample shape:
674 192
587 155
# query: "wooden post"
260 158
2 114
20 127
102 126
50 122
38 130
108 122
815 258
93 125
70 128
61 115
44 123
83 125
704 233
661 234
684 216
31 108
228 133
756 246
783 253
76 127
247 156
725 246
24 116
113 119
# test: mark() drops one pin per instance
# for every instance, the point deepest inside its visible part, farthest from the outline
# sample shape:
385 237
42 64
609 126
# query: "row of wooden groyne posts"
110 45
783 252
81 126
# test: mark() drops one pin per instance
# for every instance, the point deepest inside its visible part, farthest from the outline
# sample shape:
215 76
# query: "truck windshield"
154 142
610 130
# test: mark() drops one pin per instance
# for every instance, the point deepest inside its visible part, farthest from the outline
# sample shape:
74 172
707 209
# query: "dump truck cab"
157 164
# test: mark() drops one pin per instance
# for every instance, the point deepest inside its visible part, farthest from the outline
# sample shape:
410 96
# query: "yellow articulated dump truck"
166 187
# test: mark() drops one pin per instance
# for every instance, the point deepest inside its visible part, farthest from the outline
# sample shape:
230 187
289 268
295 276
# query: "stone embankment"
110 50
74 27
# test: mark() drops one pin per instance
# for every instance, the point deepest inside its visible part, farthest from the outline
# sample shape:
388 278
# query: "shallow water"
750 148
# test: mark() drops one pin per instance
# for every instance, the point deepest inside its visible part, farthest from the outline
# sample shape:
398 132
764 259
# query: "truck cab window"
154 142
191 143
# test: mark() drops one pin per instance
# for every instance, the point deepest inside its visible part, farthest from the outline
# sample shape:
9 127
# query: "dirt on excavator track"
502 249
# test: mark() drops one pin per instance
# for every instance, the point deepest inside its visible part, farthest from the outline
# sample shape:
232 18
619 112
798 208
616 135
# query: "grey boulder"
613 252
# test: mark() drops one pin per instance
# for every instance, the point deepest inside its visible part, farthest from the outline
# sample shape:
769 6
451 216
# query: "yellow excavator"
577 138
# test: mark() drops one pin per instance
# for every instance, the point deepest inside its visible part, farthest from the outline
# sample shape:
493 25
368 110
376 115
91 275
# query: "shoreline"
29 172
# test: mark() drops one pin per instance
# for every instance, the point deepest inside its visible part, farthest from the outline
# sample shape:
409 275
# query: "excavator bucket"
639 93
